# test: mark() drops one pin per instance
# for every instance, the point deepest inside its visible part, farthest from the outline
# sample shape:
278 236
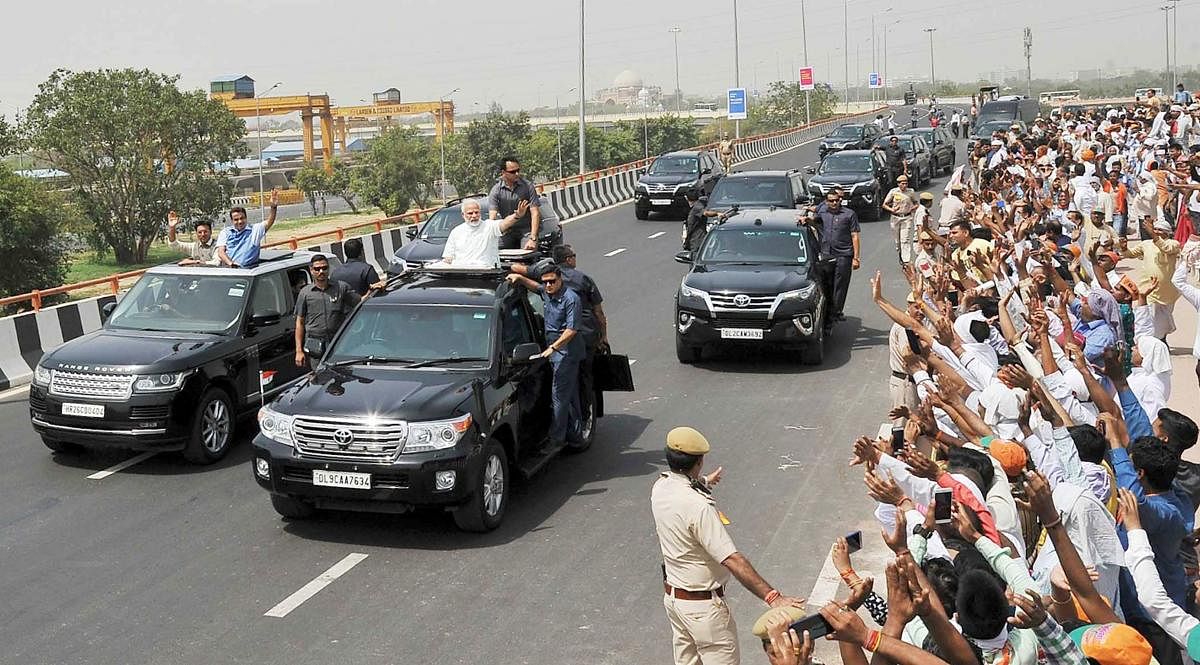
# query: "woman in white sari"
1150 379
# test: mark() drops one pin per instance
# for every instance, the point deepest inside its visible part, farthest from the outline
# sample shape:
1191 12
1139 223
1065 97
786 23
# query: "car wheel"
587 427
212 428
686 353
291 508
64 447
489 498
641 214
814 352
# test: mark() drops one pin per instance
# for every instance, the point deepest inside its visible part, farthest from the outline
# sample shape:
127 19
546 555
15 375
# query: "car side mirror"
523 353
411 231
683 257
107 310
706 172
263 319
642 171
810 170
802 199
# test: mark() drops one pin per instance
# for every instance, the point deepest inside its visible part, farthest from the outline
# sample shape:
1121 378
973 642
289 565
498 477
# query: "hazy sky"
521 54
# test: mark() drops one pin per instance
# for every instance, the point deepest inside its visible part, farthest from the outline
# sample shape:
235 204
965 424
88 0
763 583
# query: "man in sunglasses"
320 309
563 315
503 200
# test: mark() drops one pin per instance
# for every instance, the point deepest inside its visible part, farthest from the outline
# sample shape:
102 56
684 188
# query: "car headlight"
864 185
688 292
435 434
801 293
159 383
42 376
276 426
640 188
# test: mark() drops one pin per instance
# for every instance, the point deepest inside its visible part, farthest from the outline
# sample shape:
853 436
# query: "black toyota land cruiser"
755 281
182 355
427 396
664 186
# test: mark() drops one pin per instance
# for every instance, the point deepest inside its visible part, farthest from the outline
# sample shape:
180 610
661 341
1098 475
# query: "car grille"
722 321
96 386
358 440
660 188
729 302
153 412
384 480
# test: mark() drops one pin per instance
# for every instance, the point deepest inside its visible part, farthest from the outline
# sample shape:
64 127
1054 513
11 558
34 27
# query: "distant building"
629 90
231 86
285 150
389 96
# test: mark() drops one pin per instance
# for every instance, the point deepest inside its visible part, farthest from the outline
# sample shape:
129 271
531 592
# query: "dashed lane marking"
136 459
615 251
312 588
652 236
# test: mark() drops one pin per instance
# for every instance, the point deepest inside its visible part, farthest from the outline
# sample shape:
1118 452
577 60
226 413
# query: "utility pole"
804 40
1175 45
1166 10
675 33
262 207
1028 66
737 80
846 48
582 100
932 78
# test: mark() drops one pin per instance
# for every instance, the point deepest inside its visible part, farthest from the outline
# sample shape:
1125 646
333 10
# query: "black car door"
270 326
530 398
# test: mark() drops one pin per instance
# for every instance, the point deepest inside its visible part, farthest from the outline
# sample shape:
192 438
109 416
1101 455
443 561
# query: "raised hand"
963 523
884 489
1127 509
1031 611
864 452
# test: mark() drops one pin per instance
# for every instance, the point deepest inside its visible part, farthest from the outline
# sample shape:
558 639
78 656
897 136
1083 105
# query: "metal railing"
113 282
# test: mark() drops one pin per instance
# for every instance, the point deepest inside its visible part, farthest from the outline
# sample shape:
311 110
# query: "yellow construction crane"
237 93
443 115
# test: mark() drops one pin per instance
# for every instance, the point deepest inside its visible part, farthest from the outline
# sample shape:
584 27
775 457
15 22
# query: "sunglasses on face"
514 171
552 280
320 268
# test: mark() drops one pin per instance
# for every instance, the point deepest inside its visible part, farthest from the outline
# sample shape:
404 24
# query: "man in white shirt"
476 242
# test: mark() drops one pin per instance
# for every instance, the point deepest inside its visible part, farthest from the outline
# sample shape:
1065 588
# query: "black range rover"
755 281
664 186
184 354
427 396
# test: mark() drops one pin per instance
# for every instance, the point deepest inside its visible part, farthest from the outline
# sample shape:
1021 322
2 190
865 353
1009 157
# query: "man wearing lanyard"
563 314
839 241
238 245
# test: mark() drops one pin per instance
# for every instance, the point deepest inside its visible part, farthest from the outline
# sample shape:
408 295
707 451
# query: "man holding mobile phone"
699 556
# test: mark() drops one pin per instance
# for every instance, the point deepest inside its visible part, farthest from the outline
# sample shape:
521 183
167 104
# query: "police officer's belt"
684 594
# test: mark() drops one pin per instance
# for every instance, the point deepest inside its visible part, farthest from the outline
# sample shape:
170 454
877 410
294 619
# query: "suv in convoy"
940 142
849 137
916 154
428 239
427 396
182 355
664 186
755 281
862 174
982 132
759 189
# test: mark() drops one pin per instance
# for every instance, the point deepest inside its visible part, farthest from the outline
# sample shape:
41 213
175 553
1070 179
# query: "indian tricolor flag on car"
265 377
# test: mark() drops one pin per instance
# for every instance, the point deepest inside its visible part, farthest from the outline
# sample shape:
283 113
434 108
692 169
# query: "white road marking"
632 361
652 236
595 212
615 252
136 459
309 590
14 391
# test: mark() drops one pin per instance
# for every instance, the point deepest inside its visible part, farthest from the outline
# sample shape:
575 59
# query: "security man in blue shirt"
563 314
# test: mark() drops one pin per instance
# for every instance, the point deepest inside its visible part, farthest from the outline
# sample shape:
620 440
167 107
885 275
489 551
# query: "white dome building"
628 90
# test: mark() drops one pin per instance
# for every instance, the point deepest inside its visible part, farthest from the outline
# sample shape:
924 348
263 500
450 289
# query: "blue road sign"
873 80
737 103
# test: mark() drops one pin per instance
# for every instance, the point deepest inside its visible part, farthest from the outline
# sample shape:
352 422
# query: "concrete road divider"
25 337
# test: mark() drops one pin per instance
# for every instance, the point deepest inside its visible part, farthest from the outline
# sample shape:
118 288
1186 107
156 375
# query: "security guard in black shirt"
695 228
594 326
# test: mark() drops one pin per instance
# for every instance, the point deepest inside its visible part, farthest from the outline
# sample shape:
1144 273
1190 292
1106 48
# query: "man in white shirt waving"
476 242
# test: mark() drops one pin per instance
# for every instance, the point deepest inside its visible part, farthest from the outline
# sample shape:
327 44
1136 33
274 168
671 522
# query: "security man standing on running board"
503 200
699 556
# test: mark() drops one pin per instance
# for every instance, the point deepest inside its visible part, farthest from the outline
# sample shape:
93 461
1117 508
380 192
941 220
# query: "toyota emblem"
343 437
741 300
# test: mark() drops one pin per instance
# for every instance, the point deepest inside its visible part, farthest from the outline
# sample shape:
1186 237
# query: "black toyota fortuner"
426 397
182 355
754 282
664 186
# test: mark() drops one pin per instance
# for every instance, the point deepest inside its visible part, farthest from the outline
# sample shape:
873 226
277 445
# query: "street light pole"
1166 10
442 139
737 79
262 206
675 33
1175 47
582 101
846 49
804 40
874 53
558 132
932 78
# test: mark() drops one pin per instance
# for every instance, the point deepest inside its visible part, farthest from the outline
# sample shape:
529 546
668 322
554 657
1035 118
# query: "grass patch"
85 265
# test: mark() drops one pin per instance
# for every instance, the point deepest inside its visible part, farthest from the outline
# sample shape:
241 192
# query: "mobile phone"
914 341
853 542
897 440
1000 203
942 498
815 624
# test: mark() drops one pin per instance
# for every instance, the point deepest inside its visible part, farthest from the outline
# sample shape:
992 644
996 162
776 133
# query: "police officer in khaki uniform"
699 556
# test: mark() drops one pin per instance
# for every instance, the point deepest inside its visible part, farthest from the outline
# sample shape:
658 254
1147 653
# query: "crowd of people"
1032 489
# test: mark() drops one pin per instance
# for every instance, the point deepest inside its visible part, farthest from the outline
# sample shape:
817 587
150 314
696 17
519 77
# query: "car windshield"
906 143
415 333
840 162
988 128
443 221
675 166
751 191
847 132
726 245
182 303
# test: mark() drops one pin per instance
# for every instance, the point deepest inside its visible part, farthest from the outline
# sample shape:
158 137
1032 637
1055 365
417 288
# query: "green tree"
672 132
135 146
311 179
8 138
31 220
340 183
397 171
